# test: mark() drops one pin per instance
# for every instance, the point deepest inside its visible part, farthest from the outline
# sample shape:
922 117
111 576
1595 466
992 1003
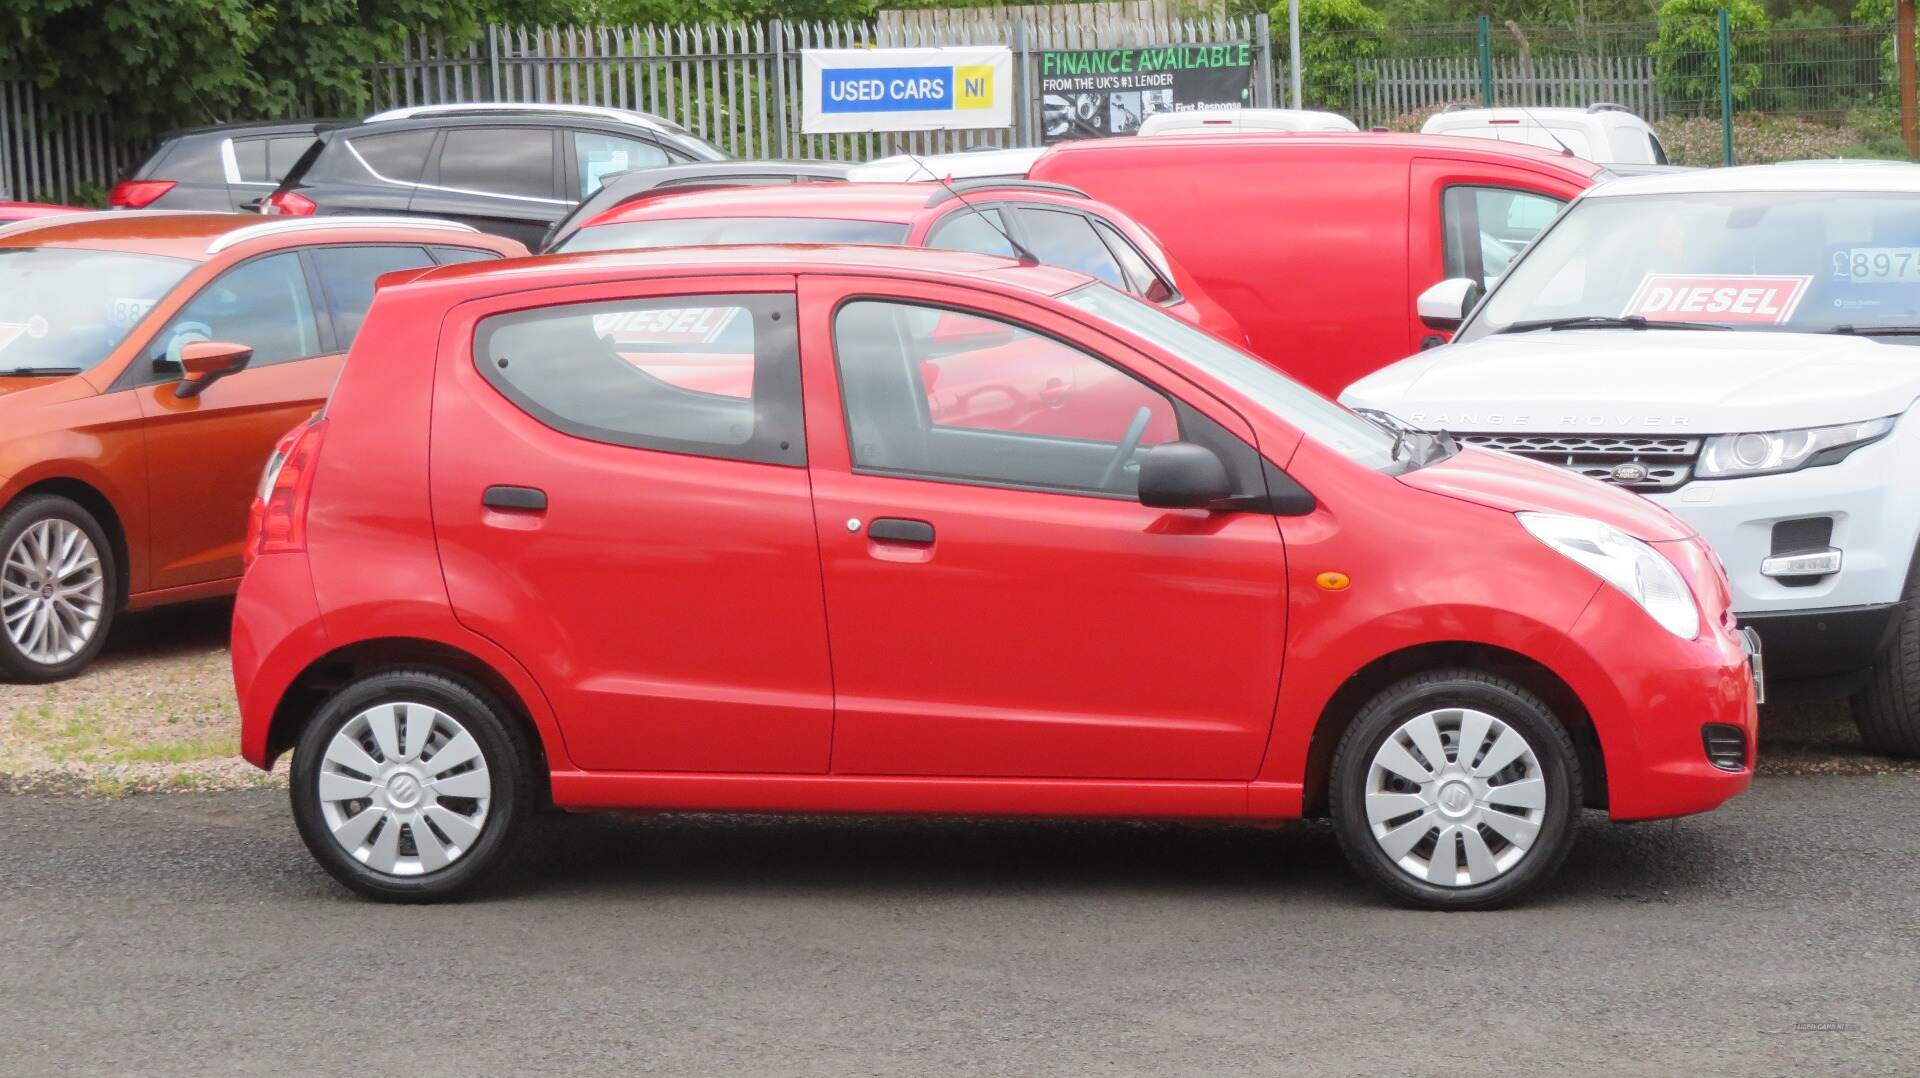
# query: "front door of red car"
621 501
999 602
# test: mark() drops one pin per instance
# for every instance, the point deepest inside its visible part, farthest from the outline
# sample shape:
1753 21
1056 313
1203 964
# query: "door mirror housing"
1182 475
1447 304
206 362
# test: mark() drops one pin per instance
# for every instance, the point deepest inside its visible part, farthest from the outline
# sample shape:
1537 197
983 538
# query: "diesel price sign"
1098 92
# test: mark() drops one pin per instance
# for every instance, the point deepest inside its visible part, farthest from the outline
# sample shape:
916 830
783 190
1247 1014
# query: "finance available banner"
1098 92
861 90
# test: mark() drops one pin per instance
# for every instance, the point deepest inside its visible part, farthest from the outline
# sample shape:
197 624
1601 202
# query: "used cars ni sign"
697 529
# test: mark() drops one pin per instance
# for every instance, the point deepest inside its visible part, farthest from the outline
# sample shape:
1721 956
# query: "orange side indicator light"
1331 581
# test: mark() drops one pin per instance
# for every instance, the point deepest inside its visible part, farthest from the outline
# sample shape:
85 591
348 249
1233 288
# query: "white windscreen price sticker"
1878 265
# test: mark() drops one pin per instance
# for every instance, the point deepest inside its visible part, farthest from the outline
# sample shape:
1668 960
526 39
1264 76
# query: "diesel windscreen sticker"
1731 298
1098 92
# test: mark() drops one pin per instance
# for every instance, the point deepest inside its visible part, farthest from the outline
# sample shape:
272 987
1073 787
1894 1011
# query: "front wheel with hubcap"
57 589
408 785
1887 710
1455 790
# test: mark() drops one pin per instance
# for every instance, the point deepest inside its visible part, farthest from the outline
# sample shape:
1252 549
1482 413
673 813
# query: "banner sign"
1101 92
1732 298
860 90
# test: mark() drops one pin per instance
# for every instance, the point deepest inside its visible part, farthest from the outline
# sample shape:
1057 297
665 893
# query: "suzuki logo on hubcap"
1455 798
403 790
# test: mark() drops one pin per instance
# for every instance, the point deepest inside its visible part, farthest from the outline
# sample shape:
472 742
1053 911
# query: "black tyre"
1455 790
59 588
1887 711
410 786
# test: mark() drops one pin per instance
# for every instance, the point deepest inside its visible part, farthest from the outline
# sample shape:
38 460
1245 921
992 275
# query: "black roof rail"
1607 106
953 189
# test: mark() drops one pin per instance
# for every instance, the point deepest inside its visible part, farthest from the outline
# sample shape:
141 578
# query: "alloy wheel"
404 789
1455 797
53 591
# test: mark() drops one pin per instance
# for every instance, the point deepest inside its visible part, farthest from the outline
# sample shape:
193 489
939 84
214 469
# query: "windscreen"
690 232
1812 262
65 309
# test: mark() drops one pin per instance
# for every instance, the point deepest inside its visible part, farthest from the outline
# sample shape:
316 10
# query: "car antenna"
1025 256
1535 120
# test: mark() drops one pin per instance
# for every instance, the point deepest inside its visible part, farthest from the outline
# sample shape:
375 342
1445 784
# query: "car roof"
495 110
961 267
1452 146
200 236
984 161
1586 115
892 202
1897 177
256 127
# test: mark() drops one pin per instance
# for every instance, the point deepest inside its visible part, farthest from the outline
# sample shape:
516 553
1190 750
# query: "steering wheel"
1136 430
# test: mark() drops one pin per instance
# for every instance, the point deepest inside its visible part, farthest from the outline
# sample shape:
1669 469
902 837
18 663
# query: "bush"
1686 53
1334 36
1762 139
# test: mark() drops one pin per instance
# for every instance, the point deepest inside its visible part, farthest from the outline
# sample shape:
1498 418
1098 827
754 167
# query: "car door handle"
525 499
898 530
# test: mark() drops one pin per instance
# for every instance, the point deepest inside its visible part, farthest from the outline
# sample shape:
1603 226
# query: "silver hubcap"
404 789
1456 797
52 591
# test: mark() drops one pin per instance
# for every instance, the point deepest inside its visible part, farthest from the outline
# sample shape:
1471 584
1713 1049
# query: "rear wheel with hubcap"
58 589
1887 710
1455 790
408 785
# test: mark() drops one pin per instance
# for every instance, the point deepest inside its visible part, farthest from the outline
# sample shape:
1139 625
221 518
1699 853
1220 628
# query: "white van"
1741 346
1604 133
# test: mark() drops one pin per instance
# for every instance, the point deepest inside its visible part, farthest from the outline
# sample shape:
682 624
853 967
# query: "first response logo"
906 89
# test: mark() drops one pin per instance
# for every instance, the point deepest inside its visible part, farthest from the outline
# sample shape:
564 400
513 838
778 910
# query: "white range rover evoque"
1742 346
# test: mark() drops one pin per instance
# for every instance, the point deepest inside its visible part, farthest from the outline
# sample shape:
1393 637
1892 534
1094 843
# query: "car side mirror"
1182 475
1447 304
206 362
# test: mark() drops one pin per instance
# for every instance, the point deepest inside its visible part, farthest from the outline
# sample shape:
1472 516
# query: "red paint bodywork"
697 633
174 475
21 211
1317 243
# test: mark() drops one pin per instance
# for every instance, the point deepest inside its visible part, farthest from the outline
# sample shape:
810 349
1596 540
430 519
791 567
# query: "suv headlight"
1625 562
1769 452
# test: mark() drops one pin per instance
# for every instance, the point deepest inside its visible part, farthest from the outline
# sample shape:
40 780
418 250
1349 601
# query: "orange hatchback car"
148 363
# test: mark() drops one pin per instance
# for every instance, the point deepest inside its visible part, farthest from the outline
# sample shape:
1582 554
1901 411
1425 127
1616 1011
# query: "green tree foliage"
1333 35
1686 53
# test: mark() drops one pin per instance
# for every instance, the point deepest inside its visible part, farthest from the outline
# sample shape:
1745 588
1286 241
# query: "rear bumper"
276 631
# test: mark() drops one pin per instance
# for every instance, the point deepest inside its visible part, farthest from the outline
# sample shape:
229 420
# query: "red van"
1319 243
510 567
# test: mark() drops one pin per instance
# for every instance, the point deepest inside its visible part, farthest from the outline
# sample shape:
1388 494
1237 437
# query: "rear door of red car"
621 501
999 603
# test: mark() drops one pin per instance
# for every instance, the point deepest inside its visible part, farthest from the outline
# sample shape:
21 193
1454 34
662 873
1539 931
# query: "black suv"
229 167
512 170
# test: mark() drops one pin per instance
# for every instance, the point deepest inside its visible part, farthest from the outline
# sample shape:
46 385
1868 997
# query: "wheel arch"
325 675
1345 705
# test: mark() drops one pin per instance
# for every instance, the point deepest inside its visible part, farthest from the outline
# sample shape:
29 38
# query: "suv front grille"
1637 462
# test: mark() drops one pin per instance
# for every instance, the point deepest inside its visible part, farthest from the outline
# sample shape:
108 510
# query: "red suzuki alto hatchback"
533 554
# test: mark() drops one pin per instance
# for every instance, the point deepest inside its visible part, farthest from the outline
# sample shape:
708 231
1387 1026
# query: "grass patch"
179 752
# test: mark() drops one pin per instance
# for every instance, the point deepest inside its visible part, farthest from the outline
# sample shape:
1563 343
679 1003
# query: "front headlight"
1769 452
1625 562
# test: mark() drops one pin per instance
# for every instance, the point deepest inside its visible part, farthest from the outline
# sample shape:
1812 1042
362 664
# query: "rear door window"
193 160
708 375
346 280
983 231
513 161
397 155
1059 238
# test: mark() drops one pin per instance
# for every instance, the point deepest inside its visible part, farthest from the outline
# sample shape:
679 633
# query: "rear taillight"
288 204
277 523
137 194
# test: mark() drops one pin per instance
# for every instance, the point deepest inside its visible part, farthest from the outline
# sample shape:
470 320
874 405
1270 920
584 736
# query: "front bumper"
1876 523
1804 644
